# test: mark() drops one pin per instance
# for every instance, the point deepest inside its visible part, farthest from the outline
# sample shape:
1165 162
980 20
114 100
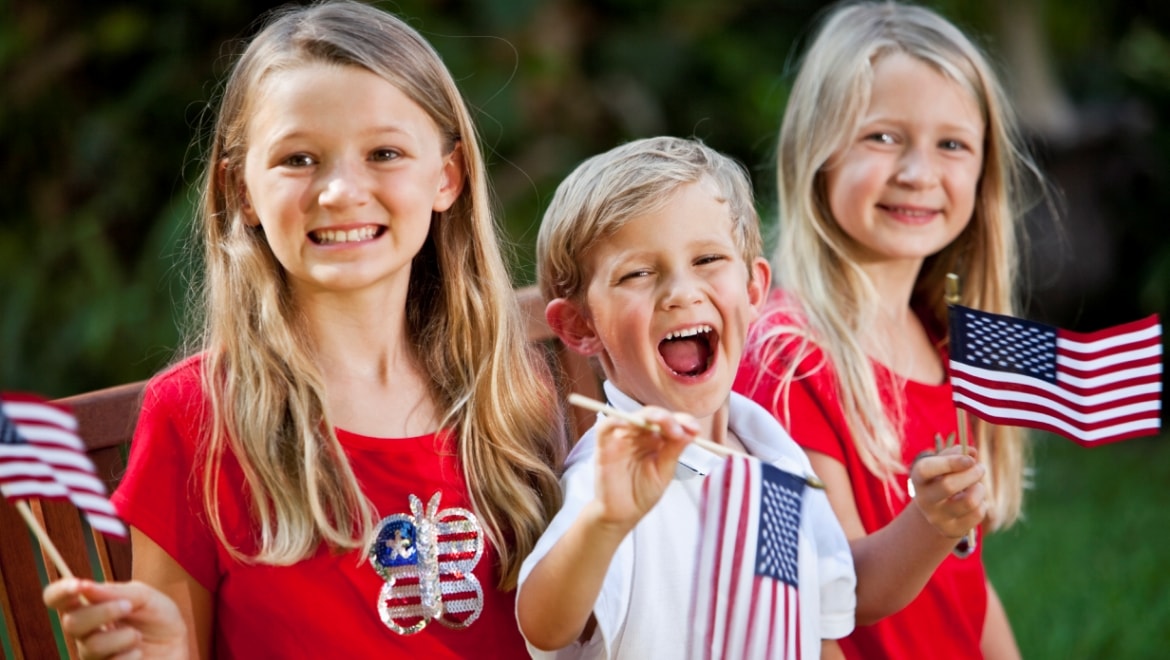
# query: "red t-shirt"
946 619
328 605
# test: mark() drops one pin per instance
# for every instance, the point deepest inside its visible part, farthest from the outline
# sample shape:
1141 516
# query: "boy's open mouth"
688 352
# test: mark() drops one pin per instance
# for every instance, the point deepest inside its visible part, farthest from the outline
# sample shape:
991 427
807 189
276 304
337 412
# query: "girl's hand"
635 465
118 619
949 491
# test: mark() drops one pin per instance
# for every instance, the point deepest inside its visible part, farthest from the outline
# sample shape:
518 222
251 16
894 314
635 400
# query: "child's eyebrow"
882 121
296 132
625 257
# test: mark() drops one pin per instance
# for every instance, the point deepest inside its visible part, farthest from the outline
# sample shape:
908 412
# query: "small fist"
948 489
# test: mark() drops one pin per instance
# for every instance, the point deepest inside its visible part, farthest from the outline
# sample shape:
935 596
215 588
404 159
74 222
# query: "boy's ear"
572 326
760 284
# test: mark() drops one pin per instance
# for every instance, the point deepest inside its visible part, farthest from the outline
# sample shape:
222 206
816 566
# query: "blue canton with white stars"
779 525
1003 343
8 435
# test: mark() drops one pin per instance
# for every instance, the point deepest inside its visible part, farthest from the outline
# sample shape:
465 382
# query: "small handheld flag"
746 587
41 456
1092 388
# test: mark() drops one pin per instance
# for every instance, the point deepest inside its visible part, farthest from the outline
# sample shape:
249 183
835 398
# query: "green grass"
1086 573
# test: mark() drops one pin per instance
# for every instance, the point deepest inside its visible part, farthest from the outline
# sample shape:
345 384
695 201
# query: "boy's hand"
635 465
949 492
118 619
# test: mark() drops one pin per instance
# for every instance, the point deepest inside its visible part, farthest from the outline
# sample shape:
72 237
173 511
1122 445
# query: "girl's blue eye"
884 138
952 145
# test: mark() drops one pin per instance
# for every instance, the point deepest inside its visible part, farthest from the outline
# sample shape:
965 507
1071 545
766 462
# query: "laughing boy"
650 258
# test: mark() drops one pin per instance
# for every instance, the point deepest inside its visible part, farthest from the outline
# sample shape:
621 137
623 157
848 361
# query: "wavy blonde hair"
608 190
813 262
265 389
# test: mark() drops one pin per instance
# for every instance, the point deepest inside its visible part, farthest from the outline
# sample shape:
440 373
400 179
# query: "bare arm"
557 598
831 650
154 567
894 563
634 467
998 643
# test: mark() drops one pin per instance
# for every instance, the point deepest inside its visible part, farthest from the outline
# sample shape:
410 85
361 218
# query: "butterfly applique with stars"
426 558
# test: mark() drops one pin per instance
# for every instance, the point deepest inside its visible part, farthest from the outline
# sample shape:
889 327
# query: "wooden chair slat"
62 521
113 556
107 417
30 632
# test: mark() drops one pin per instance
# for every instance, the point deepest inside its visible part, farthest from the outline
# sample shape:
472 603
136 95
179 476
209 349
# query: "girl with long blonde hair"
899 162
361 451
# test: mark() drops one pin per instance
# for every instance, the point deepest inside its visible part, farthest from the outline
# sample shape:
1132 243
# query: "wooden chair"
107 418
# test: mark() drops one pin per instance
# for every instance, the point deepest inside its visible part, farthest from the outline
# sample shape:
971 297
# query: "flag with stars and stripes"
1092 388
41 456
746 588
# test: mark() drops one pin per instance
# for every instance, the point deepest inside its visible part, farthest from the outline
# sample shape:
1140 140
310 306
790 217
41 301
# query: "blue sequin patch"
397 544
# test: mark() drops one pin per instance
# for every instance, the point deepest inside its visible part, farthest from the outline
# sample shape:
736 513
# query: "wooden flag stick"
43 537
951 296
582 401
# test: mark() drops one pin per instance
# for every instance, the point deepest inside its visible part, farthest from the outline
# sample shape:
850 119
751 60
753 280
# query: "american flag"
41 456
1092 388
746 603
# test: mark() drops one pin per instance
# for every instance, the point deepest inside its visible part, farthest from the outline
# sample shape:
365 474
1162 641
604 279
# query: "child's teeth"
341 236
689 332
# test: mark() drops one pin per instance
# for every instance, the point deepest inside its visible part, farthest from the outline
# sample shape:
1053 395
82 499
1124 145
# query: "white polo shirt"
644 606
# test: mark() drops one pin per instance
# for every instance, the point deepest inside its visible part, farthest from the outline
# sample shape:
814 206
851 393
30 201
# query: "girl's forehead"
280 72
330 97
905 82
955 69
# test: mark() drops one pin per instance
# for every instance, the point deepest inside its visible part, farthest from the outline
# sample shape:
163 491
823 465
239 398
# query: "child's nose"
344 184
917 168
681 290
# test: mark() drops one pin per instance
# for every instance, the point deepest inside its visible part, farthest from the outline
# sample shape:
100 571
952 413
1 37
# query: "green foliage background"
104 104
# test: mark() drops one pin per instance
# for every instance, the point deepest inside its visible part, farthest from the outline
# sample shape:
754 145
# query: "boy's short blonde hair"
606 191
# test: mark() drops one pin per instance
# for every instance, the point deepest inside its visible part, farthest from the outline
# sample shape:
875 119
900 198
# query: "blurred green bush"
104 105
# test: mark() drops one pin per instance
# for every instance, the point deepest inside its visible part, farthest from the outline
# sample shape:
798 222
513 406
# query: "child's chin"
712 380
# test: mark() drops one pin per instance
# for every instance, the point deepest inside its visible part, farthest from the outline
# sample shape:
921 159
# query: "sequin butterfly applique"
426 558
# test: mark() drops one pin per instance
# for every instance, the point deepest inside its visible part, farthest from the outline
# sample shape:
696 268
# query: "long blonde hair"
265 389
812 261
